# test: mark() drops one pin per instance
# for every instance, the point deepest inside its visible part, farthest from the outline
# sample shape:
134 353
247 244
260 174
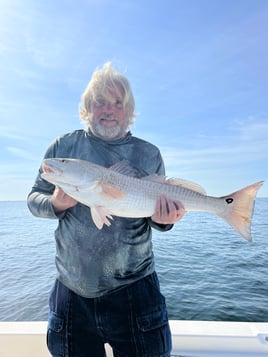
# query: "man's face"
109 120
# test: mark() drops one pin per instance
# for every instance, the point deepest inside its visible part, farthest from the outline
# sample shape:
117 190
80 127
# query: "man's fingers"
167 210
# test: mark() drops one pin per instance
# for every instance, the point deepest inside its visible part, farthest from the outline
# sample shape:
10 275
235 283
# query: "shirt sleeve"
39 199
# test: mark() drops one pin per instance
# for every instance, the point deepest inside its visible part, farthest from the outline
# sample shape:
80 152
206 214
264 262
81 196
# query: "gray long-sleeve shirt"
89 261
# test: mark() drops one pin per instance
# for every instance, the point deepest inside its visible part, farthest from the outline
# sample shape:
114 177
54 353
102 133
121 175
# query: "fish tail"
239 209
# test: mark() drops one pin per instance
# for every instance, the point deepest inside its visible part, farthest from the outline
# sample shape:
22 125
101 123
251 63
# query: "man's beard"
111 133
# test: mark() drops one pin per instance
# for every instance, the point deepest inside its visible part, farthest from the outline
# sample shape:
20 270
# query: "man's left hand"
167 211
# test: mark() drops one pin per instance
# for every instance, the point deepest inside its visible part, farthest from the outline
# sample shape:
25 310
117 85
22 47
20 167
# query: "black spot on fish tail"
229 200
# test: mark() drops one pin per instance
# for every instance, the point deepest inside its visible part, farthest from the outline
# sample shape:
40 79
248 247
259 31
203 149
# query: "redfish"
115 192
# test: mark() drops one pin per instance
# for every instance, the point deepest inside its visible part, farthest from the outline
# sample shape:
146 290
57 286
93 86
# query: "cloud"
252 129
8 132
245 145
21 153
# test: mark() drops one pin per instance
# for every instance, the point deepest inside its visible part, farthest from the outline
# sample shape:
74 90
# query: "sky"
198 70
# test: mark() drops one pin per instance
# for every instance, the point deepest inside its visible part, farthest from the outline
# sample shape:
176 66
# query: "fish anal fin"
100 216
186 184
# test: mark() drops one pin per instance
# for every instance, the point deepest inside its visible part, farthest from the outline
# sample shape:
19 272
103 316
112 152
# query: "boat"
189 338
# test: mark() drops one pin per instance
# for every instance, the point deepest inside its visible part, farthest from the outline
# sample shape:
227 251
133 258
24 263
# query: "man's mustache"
108 116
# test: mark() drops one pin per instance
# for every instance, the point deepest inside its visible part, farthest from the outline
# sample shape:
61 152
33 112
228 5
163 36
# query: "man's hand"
167 211
61 201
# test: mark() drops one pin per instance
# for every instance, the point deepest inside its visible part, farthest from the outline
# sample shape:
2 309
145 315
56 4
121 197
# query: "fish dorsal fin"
124 167
176 182
100 216
186 184
155 178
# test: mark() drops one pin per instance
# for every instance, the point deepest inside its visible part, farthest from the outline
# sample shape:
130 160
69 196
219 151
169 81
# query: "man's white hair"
104 80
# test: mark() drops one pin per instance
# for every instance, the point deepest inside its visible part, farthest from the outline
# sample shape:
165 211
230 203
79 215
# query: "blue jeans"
133 320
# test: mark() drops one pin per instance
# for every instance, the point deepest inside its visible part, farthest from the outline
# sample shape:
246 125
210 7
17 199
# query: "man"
106 288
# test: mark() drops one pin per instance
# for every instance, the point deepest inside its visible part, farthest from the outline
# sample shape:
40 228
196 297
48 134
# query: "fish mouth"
50 169
47 169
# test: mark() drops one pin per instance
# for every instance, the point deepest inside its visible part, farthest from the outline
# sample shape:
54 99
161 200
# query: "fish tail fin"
239 209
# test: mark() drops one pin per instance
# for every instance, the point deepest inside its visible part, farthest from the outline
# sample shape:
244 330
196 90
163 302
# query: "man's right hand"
61 201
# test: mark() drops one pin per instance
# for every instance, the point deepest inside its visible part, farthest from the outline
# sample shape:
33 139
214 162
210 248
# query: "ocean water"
206 270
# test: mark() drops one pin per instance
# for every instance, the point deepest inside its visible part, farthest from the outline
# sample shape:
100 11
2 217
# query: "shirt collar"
120 141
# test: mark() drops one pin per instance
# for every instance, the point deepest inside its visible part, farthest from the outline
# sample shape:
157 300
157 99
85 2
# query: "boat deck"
190 339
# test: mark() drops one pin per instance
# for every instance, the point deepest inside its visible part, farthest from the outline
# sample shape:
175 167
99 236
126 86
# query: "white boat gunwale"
189 338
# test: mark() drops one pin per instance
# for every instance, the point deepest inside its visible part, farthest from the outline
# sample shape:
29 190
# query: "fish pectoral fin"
186 184
100 216
110 192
